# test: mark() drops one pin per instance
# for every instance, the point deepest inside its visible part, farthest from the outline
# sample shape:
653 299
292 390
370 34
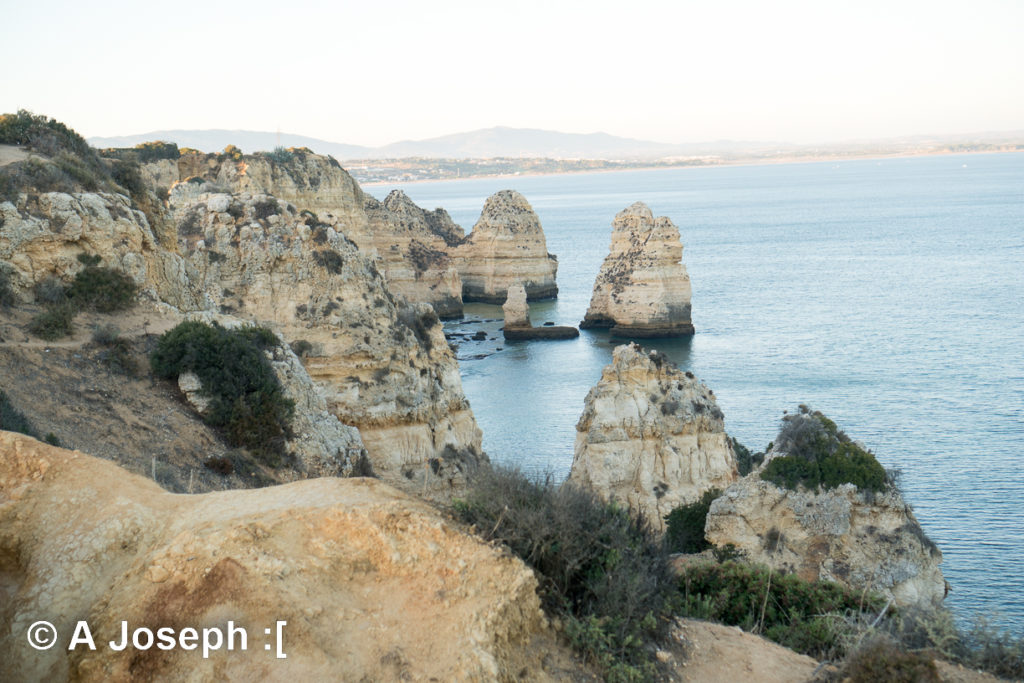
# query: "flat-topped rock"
517 320
642 289
506 246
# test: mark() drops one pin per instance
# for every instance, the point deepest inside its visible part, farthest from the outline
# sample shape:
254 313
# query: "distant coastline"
421 170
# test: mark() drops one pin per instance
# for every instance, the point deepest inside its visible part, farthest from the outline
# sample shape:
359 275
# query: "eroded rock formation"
383 366
642 289
413 246
651 437
517 320
855 538
373 584
506 246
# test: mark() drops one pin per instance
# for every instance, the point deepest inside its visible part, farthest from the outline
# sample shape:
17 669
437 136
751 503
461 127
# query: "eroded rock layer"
651 437
373 584
642 289
411 244
506 246
855 538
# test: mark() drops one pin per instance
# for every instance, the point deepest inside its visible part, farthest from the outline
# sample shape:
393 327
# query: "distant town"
369 171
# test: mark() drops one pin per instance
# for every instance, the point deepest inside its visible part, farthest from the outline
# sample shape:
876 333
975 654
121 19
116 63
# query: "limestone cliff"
412 244
642 289
42 234
373 584
505 246
384 367
858 539
651 437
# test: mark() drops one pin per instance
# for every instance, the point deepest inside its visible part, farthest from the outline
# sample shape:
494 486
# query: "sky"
379 71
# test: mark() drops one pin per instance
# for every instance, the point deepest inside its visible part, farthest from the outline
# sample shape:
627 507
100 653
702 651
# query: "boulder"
651 437
642 289
371 583
506 246
857 538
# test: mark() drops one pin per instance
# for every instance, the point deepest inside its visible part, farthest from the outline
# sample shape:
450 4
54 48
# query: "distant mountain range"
531 143
479 144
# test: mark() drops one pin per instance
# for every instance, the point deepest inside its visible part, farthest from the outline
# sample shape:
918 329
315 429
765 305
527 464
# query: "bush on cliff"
685 524
247 400
820 455
101 289
782 607
602 571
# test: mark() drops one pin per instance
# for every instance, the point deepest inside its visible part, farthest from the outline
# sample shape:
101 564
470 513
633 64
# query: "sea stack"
517 320
642 289
506 246
651 437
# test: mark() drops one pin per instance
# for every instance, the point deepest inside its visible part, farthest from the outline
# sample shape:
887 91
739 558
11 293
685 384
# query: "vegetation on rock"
247 400
820 455
601 571
685 525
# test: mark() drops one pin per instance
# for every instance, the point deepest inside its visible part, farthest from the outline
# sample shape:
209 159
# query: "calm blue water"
888 294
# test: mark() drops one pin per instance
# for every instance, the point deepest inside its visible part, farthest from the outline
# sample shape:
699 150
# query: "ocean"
887 293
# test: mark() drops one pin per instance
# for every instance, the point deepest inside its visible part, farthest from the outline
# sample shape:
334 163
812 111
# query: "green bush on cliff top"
247 400
820 455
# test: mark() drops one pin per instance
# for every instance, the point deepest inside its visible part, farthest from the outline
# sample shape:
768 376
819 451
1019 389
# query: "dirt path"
11 153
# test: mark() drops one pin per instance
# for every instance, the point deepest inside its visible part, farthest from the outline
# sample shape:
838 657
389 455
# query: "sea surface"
887 293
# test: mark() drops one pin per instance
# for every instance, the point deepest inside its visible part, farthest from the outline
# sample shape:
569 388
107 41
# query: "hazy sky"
374 71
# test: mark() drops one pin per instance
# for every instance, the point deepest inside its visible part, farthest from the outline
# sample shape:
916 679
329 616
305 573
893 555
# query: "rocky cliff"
383 366
642 289
411 244
651 437
373 584
856 538
505 246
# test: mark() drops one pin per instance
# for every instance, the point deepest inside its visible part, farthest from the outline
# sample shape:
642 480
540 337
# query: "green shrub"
880 659
54 322
247 401
745 460
7 296
117 351
783 607
101 289
73 156
280 155
685 524
329 259
50 291
819 455
601 570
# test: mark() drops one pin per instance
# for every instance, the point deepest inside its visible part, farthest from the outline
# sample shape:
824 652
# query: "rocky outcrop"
642 289
372 584
651 437
516 309
412 244
517 320
43 234
383 366
320 445
506 246
859 539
